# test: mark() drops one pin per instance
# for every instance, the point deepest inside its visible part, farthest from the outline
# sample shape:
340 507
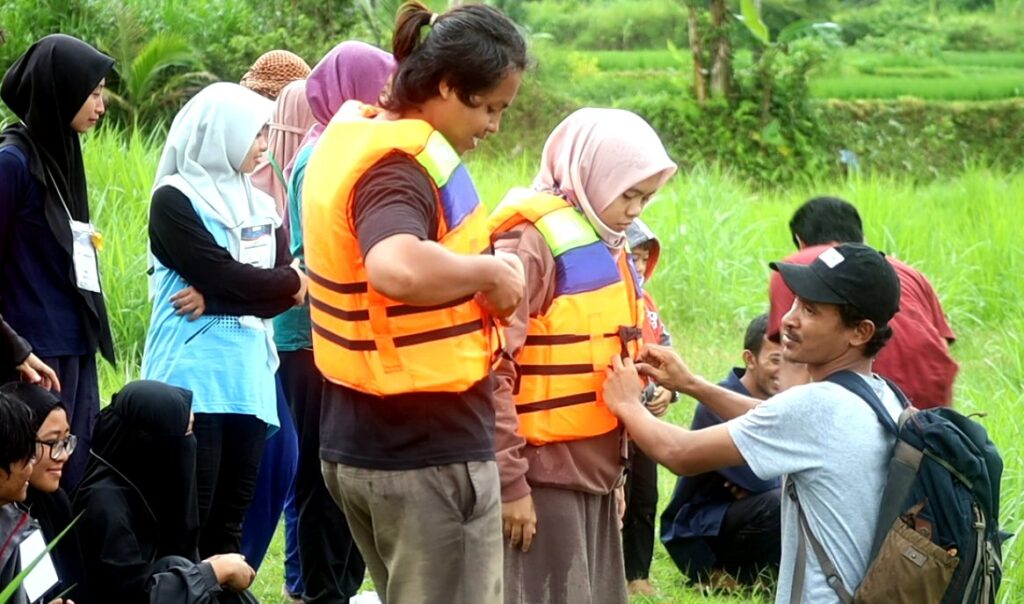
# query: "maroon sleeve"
539 273
394 197
780 299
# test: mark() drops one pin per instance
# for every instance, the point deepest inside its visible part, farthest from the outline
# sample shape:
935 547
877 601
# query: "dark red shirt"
917 357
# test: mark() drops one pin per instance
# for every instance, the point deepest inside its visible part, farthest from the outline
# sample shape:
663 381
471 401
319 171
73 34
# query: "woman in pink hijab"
332 568
559 450
594 158
287 129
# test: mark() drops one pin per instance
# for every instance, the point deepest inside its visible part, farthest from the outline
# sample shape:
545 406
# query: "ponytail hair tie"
433 19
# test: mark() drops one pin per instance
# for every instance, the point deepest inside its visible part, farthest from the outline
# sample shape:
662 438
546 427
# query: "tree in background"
711 48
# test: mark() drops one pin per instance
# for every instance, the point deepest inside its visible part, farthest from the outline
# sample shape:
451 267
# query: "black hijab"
40 400
45 88
140 438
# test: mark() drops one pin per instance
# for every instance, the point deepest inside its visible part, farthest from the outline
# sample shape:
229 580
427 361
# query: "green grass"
718 235
852 74
992 59
965 88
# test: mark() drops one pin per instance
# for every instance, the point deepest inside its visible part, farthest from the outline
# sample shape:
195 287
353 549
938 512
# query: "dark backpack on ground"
937 538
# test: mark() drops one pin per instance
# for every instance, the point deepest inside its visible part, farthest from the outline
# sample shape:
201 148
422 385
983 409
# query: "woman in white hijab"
220 269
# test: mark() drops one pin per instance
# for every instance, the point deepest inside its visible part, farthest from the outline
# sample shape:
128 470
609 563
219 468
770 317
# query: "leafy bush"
735 137
542 102
223 37
974 35
926 139
907 137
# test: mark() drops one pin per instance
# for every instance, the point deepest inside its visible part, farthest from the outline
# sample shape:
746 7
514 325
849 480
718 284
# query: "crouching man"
823 438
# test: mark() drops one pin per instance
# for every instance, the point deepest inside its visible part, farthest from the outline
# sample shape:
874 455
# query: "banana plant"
750 16
151 76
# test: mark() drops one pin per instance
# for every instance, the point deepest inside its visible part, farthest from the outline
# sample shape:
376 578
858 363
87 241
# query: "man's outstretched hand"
667 368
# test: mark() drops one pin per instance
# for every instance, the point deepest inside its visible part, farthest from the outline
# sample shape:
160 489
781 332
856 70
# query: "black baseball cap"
850 273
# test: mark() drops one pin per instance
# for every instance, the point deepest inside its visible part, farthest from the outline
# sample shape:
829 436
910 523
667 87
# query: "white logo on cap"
831 257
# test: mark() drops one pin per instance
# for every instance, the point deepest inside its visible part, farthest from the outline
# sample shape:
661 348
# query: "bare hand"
502 299
189 301
34 371
666 368
300 296
62 601
622 386
232 571
659 404
519 522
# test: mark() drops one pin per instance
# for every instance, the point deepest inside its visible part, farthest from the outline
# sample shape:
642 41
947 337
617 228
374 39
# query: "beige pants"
430 535
576 556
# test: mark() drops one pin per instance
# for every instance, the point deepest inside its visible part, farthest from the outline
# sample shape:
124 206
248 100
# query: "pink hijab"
595 155
292 119
350 71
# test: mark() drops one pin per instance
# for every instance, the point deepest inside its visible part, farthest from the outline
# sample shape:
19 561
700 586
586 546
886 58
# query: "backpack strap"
856 384
903 467
796 590
905 459
897 488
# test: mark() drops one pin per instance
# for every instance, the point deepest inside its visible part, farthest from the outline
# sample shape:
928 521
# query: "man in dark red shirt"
917 358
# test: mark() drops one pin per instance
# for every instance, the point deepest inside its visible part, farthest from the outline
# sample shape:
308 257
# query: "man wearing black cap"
820 436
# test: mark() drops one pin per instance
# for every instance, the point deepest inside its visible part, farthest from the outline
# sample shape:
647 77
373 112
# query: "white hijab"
205 148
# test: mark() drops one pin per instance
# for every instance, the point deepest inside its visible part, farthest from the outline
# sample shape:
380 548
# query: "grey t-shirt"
829 442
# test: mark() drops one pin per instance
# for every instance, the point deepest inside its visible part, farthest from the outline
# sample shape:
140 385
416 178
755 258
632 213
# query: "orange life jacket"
597 312
362 339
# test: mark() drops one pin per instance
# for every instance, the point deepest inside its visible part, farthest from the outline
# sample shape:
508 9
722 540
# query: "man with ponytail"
404 298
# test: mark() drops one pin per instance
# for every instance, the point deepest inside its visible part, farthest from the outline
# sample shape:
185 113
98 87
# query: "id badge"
256 246
87 273
44 576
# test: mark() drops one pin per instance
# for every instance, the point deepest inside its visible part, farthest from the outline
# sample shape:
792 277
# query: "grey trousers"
430 535
576 556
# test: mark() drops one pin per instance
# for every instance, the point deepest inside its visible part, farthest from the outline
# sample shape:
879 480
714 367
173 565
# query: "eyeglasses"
60 446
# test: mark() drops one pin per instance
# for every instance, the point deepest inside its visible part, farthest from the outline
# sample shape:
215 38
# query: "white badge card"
44 576
256 246
87 273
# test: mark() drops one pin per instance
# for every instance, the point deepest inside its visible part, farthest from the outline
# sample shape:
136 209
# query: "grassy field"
718 236
852 74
